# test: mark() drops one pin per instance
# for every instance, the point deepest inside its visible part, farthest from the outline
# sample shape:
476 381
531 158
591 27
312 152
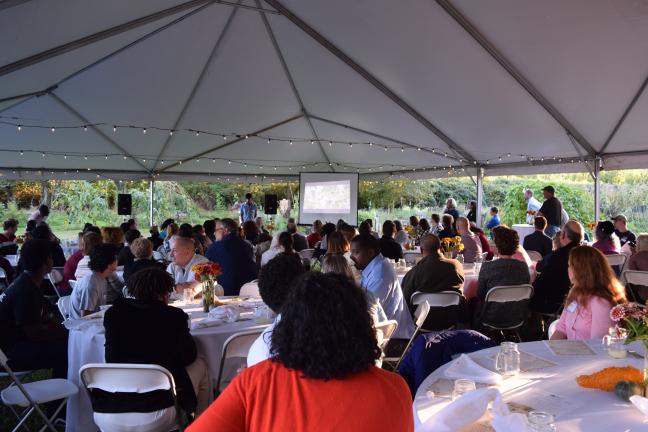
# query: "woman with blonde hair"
595 290
171 230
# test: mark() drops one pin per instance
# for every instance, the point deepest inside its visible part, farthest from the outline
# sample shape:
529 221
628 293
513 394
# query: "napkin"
206 324
641 403
217 316
465 367
471 407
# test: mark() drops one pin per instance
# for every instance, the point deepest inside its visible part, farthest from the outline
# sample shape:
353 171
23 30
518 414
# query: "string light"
85 128
19 128
53 129
171 132
114 128
144 131
197 133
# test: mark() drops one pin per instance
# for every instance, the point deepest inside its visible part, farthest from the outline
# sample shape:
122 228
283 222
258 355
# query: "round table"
523 230
580 409
470 279
87 346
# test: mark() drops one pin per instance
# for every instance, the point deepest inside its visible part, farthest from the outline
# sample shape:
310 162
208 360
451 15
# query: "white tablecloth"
523 230
587 409
87 346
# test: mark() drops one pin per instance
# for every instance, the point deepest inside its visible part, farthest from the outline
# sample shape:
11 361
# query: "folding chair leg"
61 405
18 417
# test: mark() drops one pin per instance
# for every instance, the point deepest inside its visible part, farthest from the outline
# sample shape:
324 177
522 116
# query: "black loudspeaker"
270 204
124 204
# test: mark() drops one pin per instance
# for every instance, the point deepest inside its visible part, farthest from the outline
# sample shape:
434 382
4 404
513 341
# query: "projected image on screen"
327 197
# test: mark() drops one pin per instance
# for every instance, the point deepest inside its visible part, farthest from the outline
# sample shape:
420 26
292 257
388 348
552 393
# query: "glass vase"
208 295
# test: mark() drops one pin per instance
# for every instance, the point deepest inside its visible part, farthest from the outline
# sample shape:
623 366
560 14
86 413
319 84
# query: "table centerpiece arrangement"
207 273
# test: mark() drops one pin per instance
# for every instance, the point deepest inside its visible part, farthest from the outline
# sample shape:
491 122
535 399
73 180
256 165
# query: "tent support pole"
597 188
151 201
480 195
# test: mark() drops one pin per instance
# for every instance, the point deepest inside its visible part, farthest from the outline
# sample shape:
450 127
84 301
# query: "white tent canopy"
412 88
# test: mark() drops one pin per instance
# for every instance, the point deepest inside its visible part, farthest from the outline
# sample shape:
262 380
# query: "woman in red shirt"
315 234
322 374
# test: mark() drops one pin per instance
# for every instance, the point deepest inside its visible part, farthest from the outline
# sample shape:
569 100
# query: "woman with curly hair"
322 374
595 291
145 329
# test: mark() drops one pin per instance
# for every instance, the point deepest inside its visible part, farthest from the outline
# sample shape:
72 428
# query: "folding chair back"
534 255
411 257
306 253
552 329
121 378
250 289
446 307
506 307
64 306
616 260
423 312
236 346
384 331
635 277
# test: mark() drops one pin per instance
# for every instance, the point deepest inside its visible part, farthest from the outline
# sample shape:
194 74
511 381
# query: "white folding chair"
250 289
412 257
442 299
236 346
617 260
3 278
423 310
306 253
63 304
132 378
534 255
503 309
72 283
384 331
552 329
634 277
30 396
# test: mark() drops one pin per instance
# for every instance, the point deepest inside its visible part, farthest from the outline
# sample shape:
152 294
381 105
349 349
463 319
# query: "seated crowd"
328 290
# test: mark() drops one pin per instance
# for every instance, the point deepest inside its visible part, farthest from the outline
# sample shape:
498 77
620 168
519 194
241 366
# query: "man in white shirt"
532 205
379 277
40 215
183 257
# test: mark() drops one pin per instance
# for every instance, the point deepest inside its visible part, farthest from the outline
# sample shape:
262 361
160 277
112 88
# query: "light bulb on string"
144 131
291 143
53 129
85 128
197 133
19 128
330 143
22 152
224 137
114 128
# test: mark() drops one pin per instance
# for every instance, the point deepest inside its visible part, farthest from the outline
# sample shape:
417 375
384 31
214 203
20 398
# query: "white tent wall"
448 86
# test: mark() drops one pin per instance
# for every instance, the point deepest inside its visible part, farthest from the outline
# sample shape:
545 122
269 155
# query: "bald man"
183 257
433 273
472 244
552 284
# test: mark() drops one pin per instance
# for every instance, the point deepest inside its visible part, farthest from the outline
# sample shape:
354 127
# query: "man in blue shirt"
248 209
234 256
495 220
379 278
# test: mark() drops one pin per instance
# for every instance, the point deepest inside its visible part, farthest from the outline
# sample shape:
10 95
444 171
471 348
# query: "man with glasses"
234 256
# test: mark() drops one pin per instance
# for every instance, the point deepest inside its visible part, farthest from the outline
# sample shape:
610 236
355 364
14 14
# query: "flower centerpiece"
450 245
207 274
633 317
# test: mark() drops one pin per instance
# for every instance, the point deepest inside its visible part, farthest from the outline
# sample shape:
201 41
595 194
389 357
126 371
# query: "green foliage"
576 199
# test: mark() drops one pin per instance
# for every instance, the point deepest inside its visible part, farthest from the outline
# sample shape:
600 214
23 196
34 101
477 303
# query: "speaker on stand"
124 204
270 204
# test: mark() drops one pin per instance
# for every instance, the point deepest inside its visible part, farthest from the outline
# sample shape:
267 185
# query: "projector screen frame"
357 176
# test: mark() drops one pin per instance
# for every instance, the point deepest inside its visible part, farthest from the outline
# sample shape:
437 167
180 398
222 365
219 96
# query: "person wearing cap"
551 210
622 231
606 240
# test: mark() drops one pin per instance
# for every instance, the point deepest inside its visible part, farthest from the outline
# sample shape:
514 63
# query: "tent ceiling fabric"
402 75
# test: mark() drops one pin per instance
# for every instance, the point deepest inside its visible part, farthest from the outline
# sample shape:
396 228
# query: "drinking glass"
187 295
507 361
540 421
462 386
615 342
